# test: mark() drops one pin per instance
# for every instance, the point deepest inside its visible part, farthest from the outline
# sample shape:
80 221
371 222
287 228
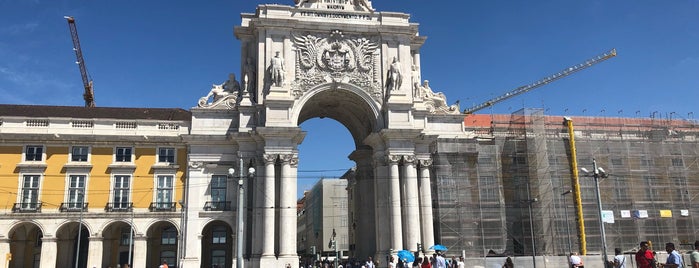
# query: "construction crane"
549 79
89 94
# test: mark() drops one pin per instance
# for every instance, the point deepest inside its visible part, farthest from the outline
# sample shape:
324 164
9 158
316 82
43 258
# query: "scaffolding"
494 191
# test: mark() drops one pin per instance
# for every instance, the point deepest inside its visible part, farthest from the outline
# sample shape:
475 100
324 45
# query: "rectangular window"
30 192
677 162
34 153
76 191
123 154
218 235
121 191
79 153
218 188
489 189
218 258
164 191
126 237
166 155
169 236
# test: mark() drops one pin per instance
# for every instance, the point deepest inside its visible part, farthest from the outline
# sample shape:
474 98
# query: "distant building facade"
323 221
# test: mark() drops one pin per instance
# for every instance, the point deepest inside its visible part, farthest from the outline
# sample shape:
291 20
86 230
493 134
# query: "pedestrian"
460 263
674 260
644 257
439 261
508 263
694 257
164 265
576 261
426 263
369 262
619 259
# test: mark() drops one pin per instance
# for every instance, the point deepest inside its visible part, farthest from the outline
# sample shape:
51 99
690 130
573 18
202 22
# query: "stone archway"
25 245
335 60
69 250
118 244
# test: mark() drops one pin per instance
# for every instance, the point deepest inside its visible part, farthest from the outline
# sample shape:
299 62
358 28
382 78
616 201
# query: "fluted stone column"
394 203
49 251
94 255
258 208
140 251
426 221
268 207
411 217
287 223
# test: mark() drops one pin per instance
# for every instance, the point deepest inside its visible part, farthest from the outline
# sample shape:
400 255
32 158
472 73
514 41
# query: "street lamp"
565 211
241 191
598 172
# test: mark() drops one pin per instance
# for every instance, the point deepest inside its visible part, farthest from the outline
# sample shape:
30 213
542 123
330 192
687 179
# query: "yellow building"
107 168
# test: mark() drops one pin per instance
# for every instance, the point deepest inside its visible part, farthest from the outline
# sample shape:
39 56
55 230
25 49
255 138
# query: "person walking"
576 261
644 257
694 256
508 263
674 260
619 259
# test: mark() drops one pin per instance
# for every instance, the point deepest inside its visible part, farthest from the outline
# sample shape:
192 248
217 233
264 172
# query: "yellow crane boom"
544 81
89 94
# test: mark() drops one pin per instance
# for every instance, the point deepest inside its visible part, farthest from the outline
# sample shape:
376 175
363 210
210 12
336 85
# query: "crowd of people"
644 258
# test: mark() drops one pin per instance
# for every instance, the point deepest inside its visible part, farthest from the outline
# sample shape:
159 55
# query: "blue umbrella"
438 247
406 256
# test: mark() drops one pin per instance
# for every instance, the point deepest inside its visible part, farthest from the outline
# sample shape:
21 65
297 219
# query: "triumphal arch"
339 59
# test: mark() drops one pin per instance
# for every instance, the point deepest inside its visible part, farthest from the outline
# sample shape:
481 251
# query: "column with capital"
426 204
268 207
412 210
49 251
394 202
287 192
94 255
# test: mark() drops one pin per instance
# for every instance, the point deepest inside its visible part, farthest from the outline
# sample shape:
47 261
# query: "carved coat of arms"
335 58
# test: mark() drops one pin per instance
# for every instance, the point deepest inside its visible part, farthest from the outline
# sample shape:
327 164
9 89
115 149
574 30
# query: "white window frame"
73 201
21 197
174 155
113 191
160 203
131 156
71 154
25 152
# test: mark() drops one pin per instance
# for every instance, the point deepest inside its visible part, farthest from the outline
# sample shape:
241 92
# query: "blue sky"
159 53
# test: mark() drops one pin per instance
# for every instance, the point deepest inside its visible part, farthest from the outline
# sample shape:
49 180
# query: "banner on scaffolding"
607 216
665 213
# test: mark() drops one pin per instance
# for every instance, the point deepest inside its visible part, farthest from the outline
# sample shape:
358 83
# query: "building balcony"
217 206
162 206
27 207
119 207
73 207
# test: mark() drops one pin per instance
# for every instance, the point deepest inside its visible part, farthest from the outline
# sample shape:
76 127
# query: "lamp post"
530 201
80 197
598 172
531 229
241 222
565 210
